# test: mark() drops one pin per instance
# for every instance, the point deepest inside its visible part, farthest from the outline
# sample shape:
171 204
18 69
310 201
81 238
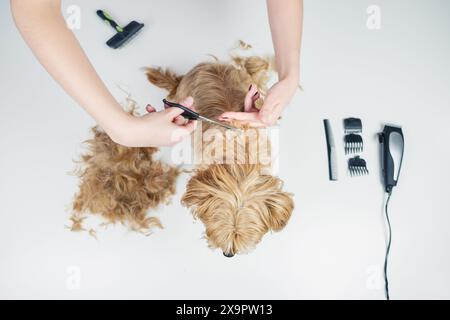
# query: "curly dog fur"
121 184
237 203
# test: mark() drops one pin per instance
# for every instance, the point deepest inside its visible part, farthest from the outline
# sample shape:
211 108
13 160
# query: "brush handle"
107 18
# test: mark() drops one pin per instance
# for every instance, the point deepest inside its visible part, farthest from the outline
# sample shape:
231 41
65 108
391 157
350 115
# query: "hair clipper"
392 148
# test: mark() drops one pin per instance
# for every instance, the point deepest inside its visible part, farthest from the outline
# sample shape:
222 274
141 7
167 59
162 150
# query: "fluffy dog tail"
164 79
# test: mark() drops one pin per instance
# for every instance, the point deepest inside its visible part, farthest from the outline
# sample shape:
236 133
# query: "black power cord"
388 247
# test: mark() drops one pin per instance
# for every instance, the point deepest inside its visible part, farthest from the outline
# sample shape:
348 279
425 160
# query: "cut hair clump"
120 184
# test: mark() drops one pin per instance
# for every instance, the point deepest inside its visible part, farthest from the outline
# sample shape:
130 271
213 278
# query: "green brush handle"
108 19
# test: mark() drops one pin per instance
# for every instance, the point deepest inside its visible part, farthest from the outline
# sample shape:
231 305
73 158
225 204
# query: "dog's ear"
165 79
280 206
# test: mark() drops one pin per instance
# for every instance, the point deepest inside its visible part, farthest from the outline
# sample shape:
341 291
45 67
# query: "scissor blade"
217 123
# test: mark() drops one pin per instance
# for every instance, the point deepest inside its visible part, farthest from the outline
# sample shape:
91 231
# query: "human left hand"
278 96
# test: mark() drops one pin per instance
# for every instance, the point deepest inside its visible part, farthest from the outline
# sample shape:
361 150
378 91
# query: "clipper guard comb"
357 166
352 125
353 142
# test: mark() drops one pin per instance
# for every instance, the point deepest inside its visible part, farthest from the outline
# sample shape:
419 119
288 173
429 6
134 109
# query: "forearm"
286 24
44 29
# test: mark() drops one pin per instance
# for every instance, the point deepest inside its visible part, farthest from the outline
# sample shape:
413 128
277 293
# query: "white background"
332 248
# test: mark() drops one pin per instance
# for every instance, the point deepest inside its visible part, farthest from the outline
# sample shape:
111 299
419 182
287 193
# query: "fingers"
241 116
276 99
190 126
250 115
150 108
250 118
174 112
250 98
180 121
182 132
271 109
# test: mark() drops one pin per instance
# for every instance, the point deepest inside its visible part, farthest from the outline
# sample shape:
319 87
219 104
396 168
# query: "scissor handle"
187 113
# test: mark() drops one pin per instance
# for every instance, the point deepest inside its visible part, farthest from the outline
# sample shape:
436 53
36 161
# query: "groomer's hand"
155 129
277 98
286 26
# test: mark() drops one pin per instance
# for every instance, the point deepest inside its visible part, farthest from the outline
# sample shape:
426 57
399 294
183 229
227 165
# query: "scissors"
192 115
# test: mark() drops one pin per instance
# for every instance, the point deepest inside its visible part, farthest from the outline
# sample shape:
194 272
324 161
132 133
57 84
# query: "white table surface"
332 248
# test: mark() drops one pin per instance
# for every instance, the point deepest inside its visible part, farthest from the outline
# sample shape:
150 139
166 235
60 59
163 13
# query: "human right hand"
156 129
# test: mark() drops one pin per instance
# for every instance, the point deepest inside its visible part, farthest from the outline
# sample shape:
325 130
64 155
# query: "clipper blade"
357 166
353 143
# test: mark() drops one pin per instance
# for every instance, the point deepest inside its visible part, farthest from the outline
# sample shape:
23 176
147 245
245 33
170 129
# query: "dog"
238 202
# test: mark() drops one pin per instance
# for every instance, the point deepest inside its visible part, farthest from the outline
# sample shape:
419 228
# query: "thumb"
150 108
174 112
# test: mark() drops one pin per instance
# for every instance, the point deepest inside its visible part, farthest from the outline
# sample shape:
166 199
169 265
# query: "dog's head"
238 205
238 201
